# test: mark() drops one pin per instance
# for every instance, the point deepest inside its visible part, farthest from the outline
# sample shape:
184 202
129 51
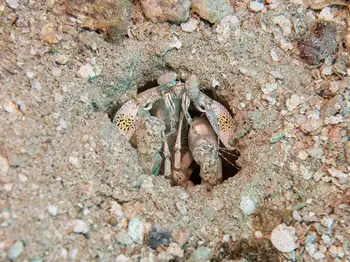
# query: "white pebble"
74 161
326 14
247 205
63 123
310 249
284 23
36 85
283 238
319 256
258 234
13 3
269 88
4 166
56 71
274 55
215 83
123 258
9 106
52 210
136 230
334 251
341 252
81 227
30 75
15 250
175 250
86 71
303 155
293 102
190 25
255 6
73 254
297 216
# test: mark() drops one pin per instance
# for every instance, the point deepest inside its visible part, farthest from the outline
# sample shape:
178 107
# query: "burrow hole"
228 158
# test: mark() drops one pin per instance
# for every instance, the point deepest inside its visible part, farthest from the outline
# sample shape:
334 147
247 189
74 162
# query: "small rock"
327 71
247 205
274 55
326 239
326 14
341 252
73 254
285 45
167 78
36 85
62 59
123 258
212 11
310 249
303 155
305 172
52 210
255 6
13 3
56 71
322 249
81 227
15 250
334 251
86 71
284 23
158 237
201 254
215 83
171 10
190 26
181 206
258 234
74 161
269 88
49 33
9 107
63 123
293 102
165 256
311 125
277 74
333 106
226 26
175 250
318 175
315 152
284 238
123 238
136 230
297 216
4 166
318 256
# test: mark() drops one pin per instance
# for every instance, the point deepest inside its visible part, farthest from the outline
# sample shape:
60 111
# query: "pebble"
74 161
201 254
4 166
62 59
52 210
36 85
123 238
86 71
136 230
247 205
63 123
274 55
190 26
9 107
284 23
49 33
283 238
315 152
181 206
334 251
255 6
293 102
258 234
341 252
175 250
165 256
318 256
285 45
327 70
167 78
297 216
326 239
269 88
73 254
212 11
170 10
318 175
81 227
311 125
13 3
305 172
326 14
303 155
15 250
56 72
226 26
158 237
